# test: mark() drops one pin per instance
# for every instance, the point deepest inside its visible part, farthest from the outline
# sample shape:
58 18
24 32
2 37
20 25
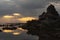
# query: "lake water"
18 34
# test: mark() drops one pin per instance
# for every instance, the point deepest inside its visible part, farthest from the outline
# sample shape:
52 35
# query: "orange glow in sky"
8 16
25 19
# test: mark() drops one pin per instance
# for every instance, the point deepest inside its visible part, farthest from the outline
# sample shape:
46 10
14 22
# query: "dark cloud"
33 3
25 7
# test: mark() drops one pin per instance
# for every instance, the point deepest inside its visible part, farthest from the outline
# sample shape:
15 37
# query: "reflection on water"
1 28
16 33
8 31
20 29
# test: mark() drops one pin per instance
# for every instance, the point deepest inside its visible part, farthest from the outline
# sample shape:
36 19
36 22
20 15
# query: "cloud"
27 8
33 3
25 19
15 18
10 18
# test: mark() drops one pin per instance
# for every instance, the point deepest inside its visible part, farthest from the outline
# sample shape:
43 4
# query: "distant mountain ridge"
47 27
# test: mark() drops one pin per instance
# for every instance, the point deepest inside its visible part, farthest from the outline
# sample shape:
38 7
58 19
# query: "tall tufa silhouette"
47 27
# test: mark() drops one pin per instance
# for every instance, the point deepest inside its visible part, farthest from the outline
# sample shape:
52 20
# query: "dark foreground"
47 27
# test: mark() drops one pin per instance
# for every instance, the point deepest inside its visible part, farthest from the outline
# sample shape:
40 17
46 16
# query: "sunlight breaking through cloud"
8 16
25 19
17 14
15 18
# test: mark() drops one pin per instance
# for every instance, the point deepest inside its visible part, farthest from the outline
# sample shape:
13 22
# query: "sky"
27 8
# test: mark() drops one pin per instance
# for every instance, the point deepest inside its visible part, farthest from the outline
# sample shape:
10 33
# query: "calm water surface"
18 34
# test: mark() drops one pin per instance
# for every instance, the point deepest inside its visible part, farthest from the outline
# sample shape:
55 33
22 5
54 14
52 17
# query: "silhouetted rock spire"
51 9
50 14
47 27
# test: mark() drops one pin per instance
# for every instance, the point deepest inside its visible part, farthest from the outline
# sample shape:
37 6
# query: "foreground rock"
47 27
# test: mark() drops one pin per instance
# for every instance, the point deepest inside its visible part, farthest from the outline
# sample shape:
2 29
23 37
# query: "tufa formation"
47 27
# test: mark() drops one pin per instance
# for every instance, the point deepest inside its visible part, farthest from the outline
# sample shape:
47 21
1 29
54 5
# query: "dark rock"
47 27
9 28
42 17
0 30
50 14
51 9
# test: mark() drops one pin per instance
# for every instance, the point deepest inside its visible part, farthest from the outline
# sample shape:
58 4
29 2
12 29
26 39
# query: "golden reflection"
7 31
20 29
16 33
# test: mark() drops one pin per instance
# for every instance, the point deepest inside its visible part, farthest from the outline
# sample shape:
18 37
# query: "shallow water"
18 34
